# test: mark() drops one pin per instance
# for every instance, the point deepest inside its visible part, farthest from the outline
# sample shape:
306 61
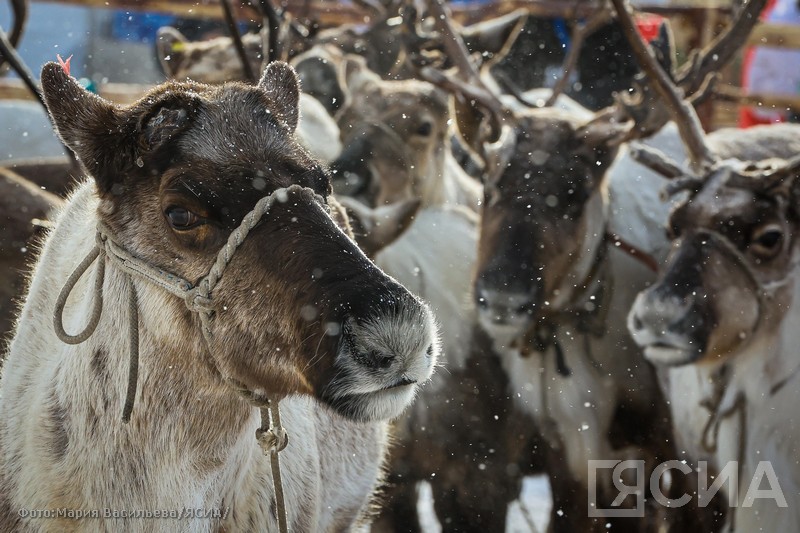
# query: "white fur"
316 131
434 259
772 432
578 409
638 214
452 187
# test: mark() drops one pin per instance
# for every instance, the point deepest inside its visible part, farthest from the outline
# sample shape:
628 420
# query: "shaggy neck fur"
191 440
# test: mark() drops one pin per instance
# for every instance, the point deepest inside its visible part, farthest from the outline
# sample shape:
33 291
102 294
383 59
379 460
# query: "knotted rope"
271 436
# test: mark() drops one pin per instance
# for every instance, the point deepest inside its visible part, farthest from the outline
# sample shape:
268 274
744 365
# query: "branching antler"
466 81
681 111
695 78
764 175
721 50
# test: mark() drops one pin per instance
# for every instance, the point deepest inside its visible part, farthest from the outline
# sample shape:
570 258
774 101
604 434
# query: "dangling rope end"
133 368
273 439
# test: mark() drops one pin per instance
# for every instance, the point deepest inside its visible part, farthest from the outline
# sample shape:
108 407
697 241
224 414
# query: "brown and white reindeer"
290 311
435 255
722 317
396 138
553 287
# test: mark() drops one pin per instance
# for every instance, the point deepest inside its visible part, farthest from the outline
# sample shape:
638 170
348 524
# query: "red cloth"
648 25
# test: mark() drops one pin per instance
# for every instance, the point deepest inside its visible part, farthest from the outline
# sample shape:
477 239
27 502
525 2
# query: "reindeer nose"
657 315
396 338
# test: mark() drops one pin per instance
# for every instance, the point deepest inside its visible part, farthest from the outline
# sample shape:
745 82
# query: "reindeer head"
211 61
299 308
543 220
395 136
729 278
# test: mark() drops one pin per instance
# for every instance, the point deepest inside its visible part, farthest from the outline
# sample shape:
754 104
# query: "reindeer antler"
695 78
721 50
682 111
467 81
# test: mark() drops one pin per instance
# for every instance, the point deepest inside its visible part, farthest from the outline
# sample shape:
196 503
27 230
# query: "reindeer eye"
767 240
181 218
424 129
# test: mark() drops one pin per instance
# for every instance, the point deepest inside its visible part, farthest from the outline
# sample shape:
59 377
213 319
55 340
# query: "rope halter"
271 436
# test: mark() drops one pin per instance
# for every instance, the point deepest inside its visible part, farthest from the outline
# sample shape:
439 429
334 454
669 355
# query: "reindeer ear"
357 75
172 47
603 137
280 82
108 140
318 70
90 126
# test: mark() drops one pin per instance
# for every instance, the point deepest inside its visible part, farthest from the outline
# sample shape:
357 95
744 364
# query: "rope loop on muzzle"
271 436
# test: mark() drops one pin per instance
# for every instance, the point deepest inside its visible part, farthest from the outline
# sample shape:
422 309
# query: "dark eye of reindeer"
424 129
767 240
181 218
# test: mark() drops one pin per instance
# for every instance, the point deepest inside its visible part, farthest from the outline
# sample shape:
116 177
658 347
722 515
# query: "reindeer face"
394 133
726 283
299 309
540 217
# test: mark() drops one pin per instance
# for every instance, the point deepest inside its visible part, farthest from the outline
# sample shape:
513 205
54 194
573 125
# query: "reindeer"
396 138
550 287
292 312
552 283
722 316
384 43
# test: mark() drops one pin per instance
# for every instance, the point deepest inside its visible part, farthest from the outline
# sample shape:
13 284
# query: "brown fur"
474 452
20 203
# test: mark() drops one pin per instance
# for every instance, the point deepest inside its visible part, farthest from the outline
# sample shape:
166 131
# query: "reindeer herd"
237 257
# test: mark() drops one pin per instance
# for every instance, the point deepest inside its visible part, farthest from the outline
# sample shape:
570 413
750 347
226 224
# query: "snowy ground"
529 514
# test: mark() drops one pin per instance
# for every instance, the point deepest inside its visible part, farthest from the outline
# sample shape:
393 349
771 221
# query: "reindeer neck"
771 362
592 241
176 389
